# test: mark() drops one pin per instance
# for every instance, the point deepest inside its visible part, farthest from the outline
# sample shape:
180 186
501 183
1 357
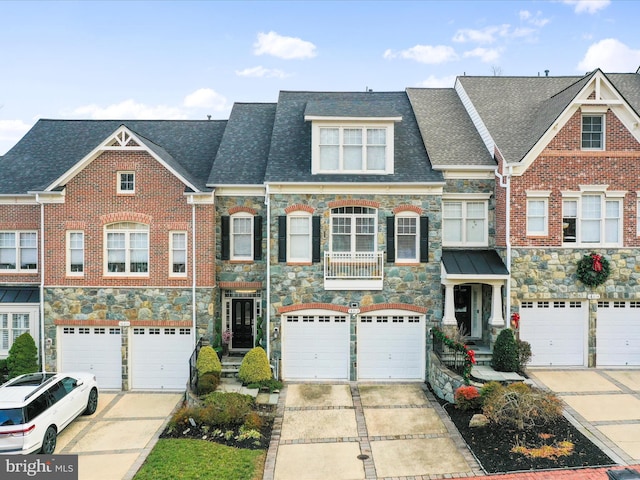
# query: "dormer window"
353 148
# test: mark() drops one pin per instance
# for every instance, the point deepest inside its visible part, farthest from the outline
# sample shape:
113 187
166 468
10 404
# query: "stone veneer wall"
550 274
443 381
97 305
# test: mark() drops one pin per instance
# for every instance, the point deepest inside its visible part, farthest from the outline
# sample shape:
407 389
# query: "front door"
242 313
462 301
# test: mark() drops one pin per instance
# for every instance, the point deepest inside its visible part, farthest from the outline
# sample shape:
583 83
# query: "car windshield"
11 416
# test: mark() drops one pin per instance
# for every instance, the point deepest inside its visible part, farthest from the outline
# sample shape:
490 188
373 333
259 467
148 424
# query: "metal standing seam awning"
19 295
473 264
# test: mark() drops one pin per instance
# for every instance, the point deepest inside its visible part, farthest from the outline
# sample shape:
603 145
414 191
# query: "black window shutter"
224 241
257 238
282 238
391 239
315 239
424 239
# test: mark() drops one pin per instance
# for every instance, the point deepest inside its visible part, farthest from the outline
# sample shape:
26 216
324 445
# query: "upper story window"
465 223
75 253
593 132
538 213
353 229
299 244
178 254
19 251
241 237
126 182
353 148
593 218
407 235
127 249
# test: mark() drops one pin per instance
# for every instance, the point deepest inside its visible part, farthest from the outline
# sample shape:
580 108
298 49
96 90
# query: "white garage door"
160 358
315 347
556 331
391 347
618 334
92 349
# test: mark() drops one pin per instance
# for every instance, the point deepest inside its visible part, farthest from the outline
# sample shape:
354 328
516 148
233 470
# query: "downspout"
505 182
267 307
193 270
41 306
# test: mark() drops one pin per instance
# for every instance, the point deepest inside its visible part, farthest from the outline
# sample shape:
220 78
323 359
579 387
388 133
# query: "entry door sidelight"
242 313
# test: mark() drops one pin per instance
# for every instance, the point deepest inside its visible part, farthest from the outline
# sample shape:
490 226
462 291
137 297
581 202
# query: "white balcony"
353 270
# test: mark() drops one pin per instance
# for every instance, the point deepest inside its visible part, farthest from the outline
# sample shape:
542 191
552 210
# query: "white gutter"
505 182
42 334
267 309
193 270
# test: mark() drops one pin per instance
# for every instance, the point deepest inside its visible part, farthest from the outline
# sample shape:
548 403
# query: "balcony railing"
353 270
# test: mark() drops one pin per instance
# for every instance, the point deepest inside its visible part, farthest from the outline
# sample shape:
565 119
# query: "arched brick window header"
298 207
407 208
126 217
238 209
354 203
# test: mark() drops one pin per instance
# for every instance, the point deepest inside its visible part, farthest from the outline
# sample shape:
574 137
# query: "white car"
35 407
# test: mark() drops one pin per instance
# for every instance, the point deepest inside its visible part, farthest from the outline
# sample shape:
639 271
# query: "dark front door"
462 301
242 323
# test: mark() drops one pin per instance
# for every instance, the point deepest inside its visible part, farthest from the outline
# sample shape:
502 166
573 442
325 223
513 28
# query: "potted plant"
226 340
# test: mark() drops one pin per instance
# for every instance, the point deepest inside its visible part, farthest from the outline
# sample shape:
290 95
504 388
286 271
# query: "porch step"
231 366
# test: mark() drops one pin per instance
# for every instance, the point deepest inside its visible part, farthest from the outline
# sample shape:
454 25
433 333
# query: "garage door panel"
96 350
618 333
160 358
391 347
315 347
556 331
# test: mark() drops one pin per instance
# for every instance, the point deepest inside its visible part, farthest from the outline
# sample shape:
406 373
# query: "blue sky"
187 60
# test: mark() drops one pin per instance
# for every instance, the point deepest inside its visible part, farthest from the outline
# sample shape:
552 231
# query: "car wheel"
92 402
49 441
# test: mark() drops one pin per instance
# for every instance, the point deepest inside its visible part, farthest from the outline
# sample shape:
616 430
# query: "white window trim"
232 235
478 198
353 234
119 184
638 214
31 310
416 218
290 257
604 129
537 196
387 125
587 190
186 254
18 252
71 273
127 249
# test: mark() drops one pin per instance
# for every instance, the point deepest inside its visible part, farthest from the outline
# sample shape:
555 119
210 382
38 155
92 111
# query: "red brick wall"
564 166
91 200
20 217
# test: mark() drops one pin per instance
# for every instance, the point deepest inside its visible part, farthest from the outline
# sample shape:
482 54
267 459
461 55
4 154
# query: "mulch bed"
492 445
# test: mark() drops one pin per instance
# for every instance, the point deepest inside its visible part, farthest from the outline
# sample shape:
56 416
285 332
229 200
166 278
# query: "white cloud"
288 48
588 6
129 109
435 82
610 55
484 54
536 20
486 35
424 54
206 98
10 132
261 72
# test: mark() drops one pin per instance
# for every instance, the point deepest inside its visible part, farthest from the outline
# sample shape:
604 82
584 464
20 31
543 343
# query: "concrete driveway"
361 431
113 443
605 403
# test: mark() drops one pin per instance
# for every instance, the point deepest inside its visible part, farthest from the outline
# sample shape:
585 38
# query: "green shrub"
505 352
255 367
521 406
524 354
467 397
23 356
227 409
253 421
272 385
488 388
208 383
4 372
208 361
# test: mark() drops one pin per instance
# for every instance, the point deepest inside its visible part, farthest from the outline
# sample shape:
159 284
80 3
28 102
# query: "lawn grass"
187 459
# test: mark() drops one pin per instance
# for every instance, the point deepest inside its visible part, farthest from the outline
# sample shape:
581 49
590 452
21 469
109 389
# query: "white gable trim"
606 97
120 140
475 118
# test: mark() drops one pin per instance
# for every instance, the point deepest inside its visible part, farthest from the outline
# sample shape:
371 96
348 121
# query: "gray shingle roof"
448 132
52 147
244 149
290 154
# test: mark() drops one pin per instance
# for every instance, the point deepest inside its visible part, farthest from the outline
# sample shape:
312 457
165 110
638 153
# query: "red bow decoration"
515 320
597 262
472 356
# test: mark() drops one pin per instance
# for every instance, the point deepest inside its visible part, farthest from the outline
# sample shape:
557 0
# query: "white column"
496 319
449 307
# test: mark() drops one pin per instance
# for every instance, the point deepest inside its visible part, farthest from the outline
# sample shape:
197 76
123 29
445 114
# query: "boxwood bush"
255 367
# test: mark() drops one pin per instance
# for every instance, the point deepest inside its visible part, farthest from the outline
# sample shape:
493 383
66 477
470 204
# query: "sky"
190 59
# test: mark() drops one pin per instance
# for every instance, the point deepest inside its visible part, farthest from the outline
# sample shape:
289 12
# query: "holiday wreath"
593 269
